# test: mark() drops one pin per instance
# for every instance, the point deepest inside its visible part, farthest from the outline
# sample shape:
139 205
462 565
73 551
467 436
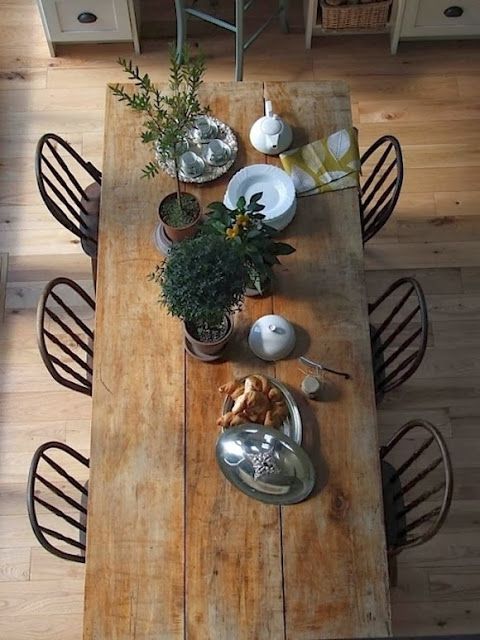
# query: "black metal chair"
65 337
399 334
381 187
185 9
406 488
57 501
64 179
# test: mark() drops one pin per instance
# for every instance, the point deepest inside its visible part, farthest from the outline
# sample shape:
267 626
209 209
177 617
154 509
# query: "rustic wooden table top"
173 549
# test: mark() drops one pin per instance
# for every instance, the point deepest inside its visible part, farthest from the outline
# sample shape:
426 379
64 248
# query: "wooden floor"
428 96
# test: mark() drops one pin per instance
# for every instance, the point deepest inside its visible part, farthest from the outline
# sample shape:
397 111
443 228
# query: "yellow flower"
233 232
242 219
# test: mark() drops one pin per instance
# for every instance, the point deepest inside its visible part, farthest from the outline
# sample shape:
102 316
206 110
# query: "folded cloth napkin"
329 164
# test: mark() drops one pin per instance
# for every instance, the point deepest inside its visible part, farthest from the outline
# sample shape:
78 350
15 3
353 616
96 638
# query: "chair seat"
391 508
92 207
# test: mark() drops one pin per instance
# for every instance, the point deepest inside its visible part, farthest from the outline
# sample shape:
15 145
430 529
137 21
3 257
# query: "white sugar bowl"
271 337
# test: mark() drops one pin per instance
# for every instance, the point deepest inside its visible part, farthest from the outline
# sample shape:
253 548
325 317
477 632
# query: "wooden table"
174 551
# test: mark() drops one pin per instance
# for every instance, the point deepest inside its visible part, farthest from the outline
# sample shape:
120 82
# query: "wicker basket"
355 16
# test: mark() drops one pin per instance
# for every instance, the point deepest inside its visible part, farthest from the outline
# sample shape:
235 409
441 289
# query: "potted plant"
244 228
202 283
168 118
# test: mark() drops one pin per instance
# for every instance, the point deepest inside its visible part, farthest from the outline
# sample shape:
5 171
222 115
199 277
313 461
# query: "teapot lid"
265 464
271 125
271 337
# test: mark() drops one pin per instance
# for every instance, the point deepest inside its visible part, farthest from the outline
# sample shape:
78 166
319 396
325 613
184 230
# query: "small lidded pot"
271 337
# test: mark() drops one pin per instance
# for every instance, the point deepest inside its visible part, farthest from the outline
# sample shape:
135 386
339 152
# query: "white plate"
276 186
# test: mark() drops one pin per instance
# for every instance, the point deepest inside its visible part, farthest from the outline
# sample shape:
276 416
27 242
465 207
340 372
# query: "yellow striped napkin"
329 164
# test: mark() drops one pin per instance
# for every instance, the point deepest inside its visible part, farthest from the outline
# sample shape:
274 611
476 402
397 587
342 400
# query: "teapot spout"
268 109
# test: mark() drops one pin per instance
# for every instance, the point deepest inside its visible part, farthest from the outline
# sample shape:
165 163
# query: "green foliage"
202 280
168 116
245 229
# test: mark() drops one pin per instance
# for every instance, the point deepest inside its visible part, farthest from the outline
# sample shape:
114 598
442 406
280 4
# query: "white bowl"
277 187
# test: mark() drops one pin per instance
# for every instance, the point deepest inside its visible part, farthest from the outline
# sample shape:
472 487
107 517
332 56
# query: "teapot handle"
268 109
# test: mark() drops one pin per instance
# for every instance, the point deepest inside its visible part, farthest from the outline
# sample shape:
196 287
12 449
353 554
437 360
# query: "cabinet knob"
86 17
453 12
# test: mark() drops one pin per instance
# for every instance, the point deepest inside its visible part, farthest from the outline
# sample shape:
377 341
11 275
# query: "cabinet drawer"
431 18
87 20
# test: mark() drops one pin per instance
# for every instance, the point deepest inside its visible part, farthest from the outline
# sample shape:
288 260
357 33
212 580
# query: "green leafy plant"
202 281
246 231
168 115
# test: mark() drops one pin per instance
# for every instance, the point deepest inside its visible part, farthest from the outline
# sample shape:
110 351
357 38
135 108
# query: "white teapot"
270 134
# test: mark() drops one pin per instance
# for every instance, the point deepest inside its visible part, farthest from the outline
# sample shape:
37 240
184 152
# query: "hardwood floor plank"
435 393
471 279
428 617
417 111
453 203
54 627
23 78
439 228
21 437
14 565
433 281
466 426
3 283
457 332
33 599
418 255
44 566
413 134
70 99
18 407
458 583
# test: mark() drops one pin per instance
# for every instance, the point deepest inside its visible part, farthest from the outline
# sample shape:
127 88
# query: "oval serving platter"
292 425
225 134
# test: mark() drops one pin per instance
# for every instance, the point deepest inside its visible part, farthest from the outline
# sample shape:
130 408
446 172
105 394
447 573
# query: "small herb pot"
179 232
210 350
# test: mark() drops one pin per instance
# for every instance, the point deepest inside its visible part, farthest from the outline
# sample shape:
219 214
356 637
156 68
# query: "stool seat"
185 9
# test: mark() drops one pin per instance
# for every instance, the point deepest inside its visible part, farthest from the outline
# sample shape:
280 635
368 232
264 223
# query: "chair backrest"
381 184
64 179
399 334
57 500
418 494
65 338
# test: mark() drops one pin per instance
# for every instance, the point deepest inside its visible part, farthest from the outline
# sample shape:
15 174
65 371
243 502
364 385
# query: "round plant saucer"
190 349
161 240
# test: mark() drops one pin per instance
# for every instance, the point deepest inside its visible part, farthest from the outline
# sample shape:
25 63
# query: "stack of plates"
277 188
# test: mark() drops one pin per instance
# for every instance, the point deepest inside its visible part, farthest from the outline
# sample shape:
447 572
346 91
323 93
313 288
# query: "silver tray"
292 425
225 134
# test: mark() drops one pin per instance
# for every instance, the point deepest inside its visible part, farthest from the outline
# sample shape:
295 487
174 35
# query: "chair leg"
283 15
393 571
181 26
94 273
239 49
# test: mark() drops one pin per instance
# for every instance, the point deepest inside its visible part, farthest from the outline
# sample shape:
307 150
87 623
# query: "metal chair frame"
385 379
54 365
32 500
377 206
241 6
64 185
438 514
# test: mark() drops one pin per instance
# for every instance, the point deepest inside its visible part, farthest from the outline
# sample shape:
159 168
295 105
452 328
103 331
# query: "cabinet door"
441 18
87 20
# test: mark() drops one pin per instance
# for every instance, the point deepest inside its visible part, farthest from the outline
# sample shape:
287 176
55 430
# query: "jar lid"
265 464
271 337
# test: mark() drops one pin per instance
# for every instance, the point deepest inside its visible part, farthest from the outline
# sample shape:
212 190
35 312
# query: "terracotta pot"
176 234
208 349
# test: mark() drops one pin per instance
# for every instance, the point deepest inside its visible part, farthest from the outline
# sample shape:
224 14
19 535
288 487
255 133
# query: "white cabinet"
89 21
435 19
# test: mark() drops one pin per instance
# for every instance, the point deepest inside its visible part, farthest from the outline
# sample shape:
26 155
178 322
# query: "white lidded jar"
271 337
